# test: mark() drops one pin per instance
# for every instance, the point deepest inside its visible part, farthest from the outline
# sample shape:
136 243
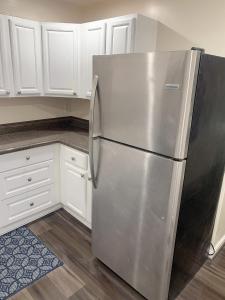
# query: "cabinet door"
6 79
93 43
120 36
60 50
27 59
74 189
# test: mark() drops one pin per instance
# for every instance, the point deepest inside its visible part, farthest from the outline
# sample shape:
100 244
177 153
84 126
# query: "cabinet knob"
31 204
19 93
73 158
7 92
82 175
28 157
29 179
89 179
74 93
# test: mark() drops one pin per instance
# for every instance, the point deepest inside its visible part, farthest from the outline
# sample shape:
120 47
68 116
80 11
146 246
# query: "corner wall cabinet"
55 59
120 35
37 181
93 42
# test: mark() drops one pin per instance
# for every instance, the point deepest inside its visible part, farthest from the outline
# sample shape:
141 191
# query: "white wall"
18 110
79 108
218 238
41 10
185 23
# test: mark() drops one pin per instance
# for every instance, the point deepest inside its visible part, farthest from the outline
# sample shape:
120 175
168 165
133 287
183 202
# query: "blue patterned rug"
23 260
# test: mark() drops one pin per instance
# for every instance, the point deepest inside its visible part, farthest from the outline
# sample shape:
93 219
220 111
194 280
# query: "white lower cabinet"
37 181
29 186
75 184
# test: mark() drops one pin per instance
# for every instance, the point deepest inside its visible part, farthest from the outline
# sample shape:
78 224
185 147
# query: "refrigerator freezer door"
135 208
146 100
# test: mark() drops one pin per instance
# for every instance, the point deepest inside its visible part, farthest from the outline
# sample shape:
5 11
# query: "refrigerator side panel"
135 209
203 174
146 100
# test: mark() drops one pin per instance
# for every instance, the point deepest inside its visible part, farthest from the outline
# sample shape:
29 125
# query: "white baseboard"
217 247
41 214
29 219
76 216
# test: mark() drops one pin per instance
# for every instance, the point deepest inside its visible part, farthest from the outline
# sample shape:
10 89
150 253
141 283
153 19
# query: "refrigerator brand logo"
172 86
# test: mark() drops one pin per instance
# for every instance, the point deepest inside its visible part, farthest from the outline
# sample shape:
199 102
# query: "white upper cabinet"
120 36
93 43
27 59
56 59
6 78
132 33
60 51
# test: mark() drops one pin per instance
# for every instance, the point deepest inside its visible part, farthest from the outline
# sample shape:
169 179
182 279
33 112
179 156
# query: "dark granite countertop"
39 133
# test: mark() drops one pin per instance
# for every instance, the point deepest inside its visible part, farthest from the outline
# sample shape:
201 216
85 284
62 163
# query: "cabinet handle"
73 158
82 175
29 179
19 93
7 92
31 204
89 179
27 157
92 136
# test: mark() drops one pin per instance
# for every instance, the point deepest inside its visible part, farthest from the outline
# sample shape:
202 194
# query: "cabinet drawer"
74 157
29 203
21 180
26 157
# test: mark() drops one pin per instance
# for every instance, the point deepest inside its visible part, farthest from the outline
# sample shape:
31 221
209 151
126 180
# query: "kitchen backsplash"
28 109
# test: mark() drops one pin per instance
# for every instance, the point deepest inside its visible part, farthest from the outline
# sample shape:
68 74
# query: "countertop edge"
36 145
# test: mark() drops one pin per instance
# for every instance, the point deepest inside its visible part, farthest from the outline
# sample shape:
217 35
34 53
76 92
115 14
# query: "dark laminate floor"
84 278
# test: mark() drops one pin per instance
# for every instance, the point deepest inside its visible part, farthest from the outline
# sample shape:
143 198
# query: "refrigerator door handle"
91 129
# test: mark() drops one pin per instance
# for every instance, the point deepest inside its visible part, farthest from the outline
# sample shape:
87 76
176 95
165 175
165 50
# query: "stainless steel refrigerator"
140 124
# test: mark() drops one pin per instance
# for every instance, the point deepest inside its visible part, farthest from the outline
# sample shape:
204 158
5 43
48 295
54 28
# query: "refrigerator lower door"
135 210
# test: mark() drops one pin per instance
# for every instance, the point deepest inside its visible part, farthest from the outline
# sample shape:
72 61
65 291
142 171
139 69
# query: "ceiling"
83 2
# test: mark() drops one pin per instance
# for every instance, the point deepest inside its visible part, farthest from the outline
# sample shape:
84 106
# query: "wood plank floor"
85 278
